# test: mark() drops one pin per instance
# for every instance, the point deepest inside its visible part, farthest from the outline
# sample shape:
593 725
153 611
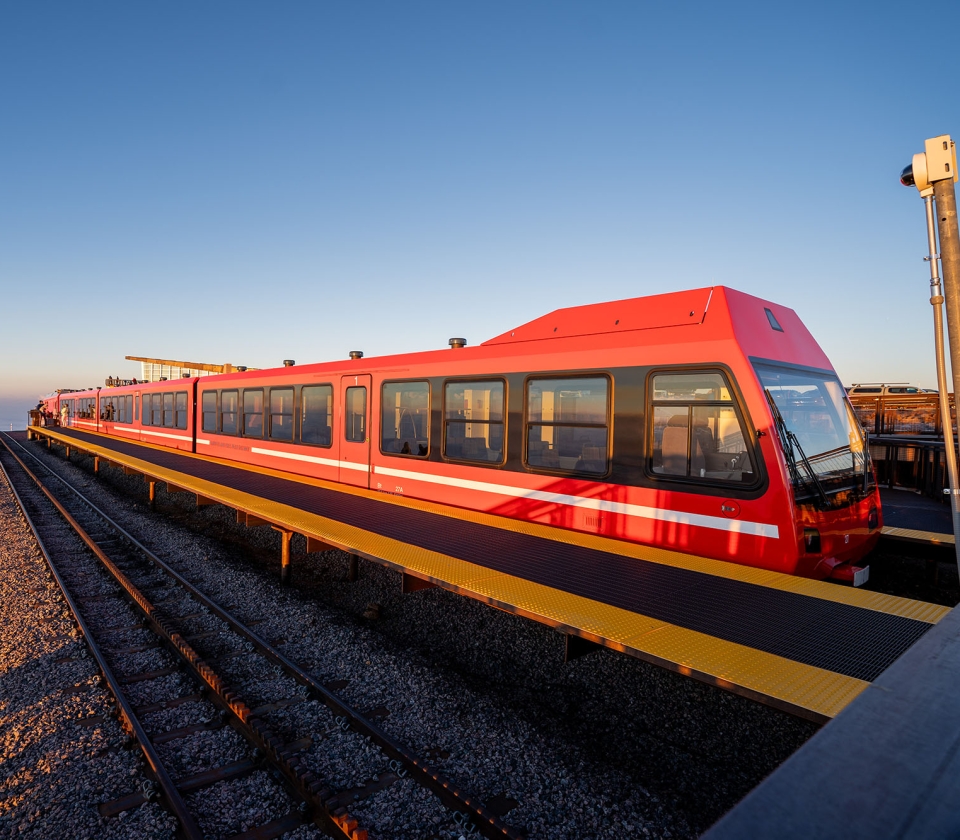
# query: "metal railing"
892 414
914 462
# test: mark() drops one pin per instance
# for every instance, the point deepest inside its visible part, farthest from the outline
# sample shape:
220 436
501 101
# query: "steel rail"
304 782
485 821
167 786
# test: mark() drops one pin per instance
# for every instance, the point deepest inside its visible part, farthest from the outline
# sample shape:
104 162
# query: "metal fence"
916 414
906 440
913 462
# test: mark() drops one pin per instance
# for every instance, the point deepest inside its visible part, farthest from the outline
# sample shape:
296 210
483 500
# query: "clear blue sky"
252 182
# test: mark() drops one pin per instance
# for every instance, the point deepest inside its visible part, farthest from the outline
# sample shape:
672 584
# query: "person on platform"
64 415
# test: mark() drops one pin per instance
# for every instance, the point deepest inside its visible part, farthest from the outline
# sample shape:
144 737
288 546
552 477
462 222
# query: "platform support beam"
203 501
248 519
153 492
285 570
314 545
577 646
353 568
96 465
412 583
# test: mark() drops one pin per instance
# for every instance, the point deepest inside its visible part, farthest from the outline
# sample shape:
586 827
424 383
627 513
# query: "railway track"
210 703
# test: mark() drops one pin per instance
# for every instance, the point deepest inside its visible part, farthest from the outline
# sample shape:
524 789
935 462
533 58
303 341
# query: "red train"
706 421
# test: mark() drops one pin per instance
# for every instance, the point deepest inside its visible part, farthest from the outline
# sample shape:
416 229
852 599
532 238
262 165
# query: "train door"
355 393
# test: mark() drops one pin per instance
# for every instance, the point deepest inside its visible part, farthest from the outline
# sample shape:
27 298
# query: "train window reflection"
696 430
180 409
169 419
473 421
316 414
355 415
229 403
822 434
406 411
567 424
253 412
208 404
281 413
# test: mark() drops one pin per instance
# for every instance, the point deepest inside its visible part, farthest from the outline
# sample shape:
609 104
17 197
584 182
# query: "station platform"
887 767
803 646
915 518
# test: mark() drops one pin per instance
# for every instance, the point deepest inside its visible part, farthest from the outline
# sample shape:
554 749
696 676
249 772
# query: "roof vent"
457 343
241 368
288 362
356 354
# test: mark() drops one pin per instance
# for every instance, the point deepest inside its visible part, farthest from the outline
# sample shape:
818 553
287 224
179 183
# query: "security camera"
937 163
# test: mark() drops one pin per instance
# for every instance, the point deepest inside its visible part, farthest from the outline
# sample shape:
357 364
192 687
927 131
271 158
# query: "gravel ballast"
61 749
603 747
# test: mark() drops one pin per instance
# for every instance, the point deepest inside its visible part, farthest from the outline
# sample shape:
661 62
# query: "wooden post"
96 465
153 493
353 570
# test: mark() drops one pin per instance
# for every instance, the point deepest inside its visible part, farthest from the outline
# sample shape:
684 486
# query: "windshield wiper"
790 445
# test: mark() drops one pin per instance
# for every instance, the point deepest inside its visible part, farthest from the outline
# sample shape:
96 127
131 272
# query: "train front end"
826 461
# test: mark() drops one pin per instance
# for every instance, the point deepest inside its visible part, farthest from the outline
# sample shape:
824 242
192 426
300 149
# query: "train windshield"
818 430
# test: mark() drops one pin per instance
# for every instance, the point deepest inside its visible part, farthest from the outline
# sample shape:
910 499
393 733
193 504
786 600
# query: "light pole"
933 173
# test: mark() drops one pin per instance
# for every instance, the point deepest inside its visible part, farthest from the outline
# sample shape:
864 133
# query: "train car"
707 421
150 412
161 413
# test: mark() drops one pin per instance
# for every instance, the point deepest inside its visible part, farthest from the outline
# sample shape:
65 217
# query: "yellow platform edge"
916 536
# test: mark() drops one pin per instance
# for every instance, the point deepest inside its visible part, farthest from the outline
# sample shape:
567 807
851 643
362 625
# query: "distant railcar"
706 421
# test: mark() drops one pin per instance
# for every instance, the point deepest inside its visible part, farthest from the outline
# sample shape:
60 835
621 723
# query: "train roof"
713 314
762 328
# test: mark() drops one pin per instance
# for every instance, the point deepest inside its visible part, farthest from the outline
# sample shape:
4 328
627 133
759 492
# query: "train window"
128 408
281 413
169 415
253 412
180 409
148 409
113 409
208 411
816 426
316 414
696 430
136 408
406 411
355 415
229 402
567 424
473 421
